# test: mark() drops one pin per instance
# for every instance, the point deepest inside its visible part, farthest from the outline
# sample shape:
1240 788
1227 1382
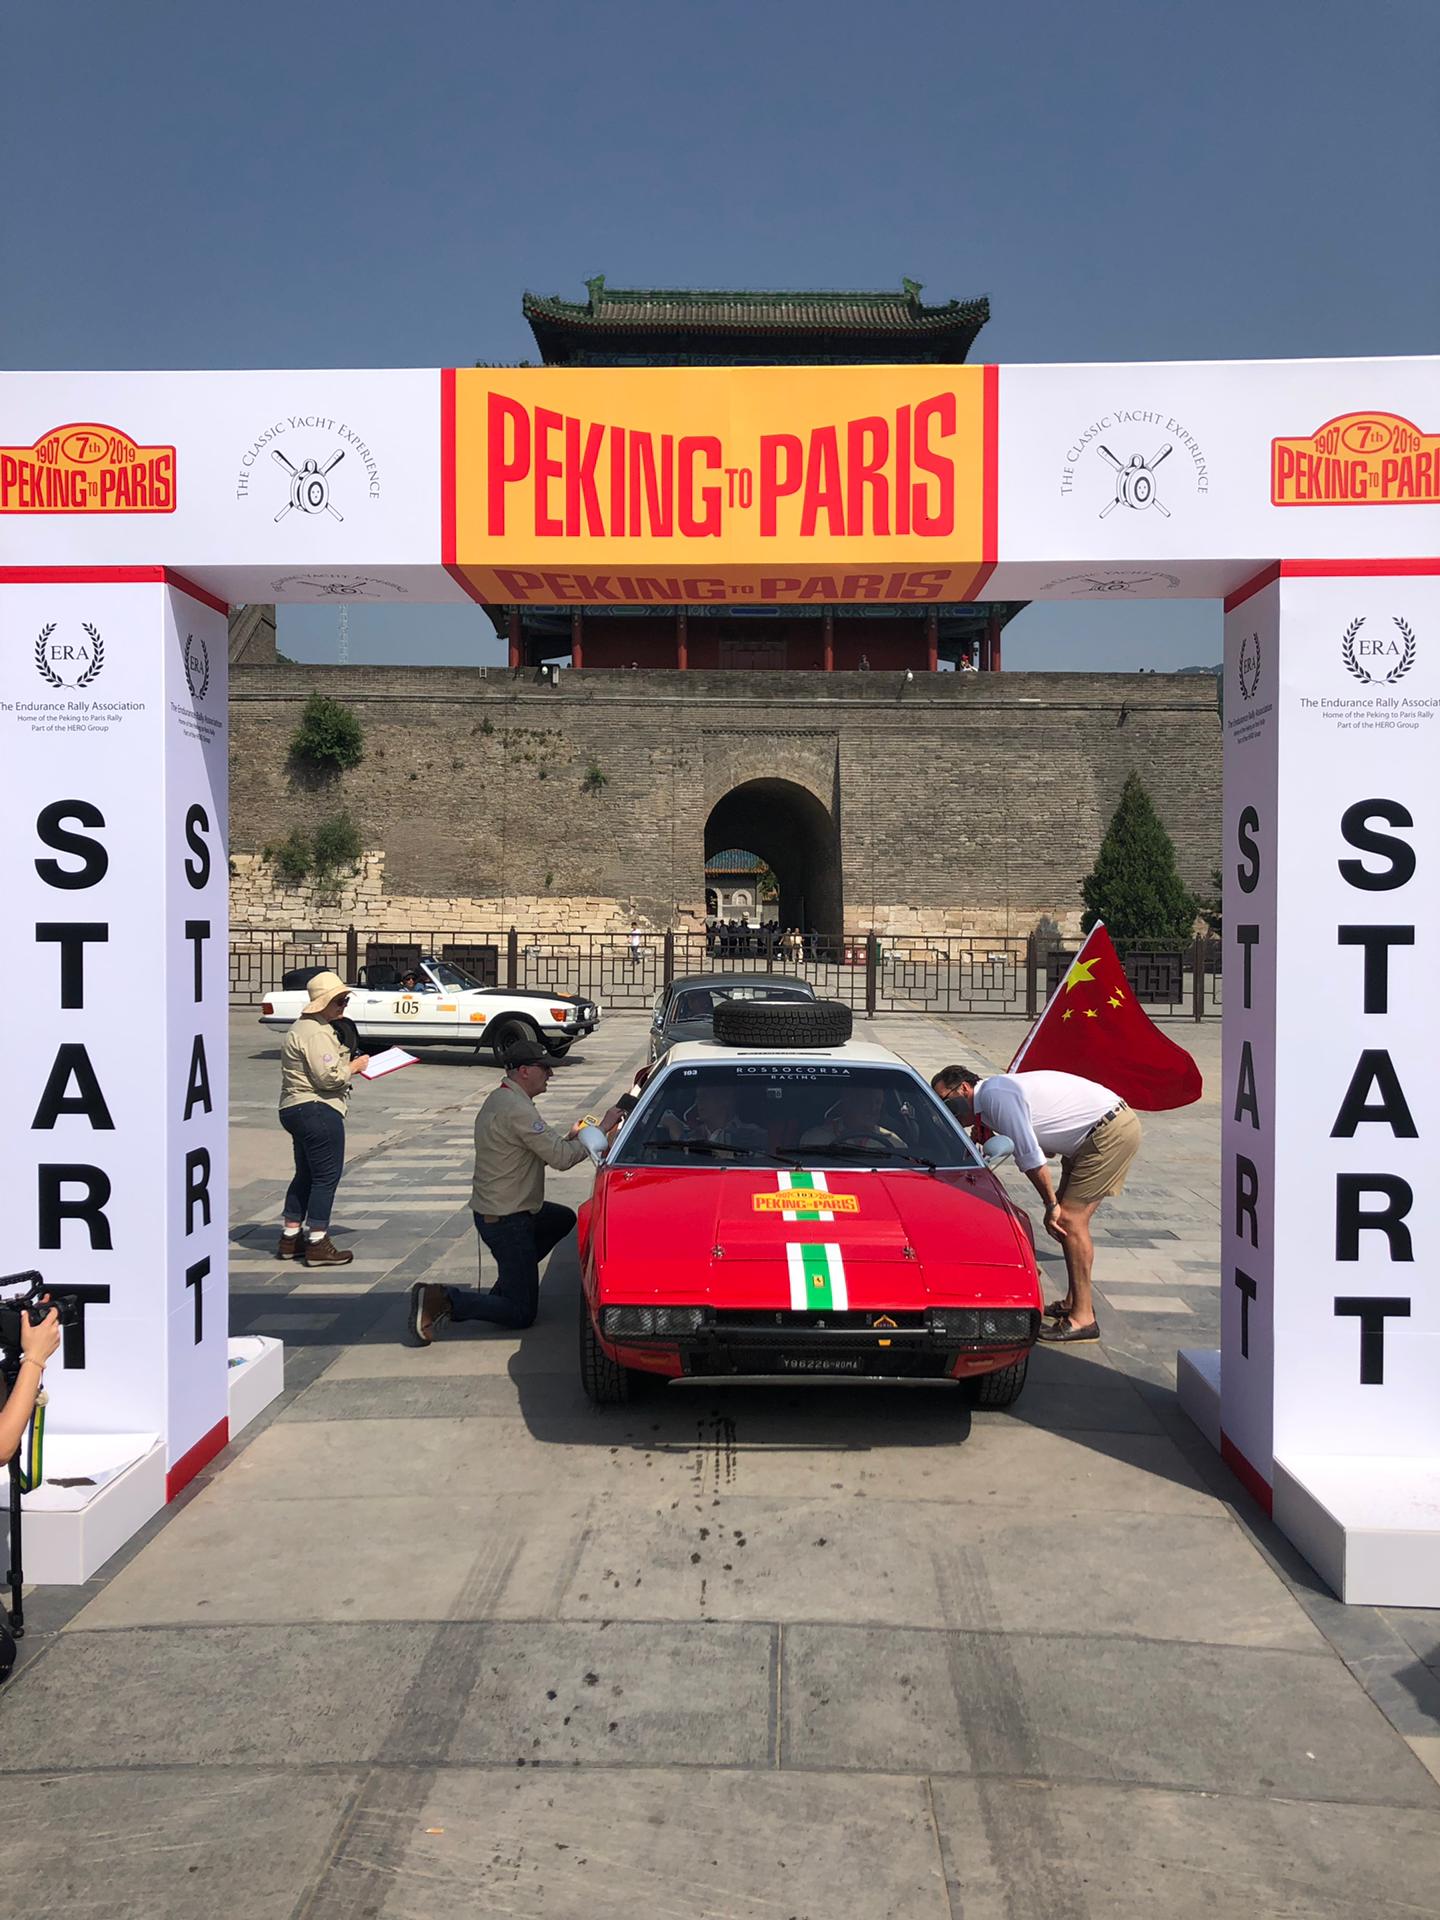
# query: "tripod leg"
17 1576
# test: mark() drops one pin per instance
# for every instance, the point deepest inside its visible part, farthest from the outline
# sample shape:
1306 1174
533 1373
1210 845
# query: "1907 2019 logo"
69 656
1378 659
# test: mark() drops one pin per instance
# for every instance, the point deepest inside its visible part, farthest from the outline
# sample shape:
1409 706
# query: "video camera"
29 1303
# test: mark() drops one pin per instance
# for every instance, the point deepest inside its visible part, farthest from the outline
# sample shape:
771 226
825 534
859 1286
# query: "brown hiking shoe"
289 1247
429 1306
325 1253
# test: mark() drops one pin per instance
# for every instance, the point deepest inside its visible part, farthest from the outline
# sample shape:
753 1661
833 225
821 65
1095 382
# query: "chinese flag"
1095 1027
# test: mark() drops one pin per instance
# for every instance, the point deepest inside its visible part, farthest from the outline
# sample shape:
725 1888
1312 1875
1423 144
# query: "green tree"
1134 887
338 846
291 859
329 738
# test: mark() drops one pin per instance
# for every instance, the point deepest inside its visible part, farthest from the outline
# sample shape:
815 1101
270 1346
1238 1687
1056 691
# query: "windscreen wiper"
706 1148
867 1156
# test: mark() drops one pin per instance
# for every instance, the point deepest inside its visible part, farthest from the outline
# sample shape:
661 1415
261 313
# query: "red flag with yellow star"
1094 1026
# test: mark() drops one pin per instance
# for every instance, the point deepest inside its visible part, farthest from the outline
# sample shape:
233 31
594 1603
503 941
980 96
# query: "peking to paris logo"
68 661
196 657
1394 657
1249 664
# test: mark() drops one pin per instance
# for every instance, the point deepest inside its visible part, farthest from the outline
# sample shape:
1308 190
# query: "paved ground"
435 1638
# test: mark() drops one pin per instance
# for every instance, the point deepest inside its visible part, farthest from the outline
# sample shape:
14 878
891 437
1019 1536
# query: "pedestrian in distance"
513 1149
318 1062
634 943
1095 1133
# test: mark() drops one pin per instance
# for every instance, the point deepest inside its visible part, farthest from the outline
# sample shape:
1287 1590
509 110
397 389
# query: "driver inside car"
714 1116
857 1119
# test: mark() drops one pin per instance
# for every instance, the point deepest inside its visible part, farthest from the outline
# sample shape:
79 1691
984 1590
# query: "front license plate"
818 1363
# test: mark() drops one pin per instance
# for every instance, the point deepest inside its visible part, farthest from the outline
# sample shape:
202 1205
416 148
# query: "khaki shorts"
1098 1166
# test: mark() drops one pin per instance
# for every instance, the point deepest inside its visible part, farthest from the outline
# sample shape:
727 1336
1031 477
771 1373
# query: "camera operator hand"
38 1343
36 1346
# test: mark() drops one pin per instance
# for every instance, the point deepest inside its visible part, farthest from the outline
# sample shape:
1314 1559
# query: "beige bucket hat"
324 988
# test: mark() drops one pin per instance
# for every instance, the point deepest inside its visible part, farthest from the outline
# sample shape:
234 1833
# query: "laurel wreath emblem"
42 660
1363 674
1249 666
47 672
196 693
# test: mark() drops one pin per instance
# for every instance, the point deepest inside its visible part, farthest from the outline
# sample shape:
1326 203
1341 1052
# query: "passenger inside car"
861 1116
714 1115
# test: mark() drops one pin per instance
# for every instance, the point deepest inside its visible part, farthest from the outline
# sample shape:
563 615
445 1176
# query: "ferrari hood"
738 1236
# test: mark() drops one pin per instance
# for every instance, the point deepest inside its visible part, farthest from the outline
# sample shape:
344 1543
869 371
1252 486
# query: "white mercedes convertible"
437 1004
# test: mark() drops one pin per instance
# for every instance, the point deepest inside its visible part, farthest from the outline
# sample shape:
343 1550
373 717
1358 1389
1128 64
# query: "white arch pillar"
1329 1387
113 1024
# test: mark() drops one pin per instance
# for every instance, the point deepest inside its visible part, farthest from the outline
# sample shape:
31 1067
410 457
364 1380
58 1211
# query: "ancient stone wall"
962 803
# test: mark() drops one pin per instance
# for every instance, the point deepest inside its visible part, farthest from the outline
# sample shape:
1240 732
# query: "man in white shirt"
1096 1136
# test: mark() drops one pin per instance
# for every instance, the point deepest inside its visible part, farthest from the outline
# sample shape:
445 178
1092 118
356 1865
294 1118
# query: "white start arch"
135 507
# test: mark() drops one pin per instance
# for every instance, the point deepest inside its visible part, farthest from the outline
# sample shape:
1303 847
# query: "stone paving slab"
1077 1852
1004 1466
637 1845
181 1843
1232 1720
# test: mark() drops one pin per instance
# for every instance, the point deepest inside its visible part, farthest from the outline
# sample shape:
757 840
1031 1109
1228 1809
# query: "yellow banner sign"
763 485
1357 460
87 468
806 1200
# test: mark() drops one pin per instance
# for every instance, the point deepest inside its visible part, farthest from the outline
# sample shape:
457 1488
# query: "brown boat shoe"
429 1307
325 1253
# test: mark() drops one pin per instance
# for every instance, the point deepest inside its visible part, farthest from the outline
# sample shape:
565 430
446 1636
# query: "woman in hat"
316 1068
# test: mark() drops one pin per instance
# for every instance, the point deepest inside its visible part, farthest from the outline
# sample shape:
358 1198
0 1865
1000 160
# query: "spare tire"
783 1023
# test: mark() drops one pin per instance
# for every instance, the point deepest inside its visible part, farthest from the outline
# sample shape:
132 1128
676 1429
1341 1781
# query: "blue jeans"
519 1242
317 1133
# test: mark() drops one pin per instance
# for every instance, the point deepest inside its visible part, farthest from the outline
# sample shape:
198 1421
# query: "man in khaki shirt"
513 1147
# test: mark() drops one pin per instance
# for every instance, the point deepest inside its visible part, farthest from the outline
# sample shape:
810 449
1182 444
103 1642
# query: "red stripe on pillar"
1249 1477
447 466
990 509
198 1457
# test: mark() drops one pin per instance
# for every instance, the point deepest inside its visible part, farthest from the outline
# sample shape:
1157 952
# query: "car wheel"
783 1023
998 1389
509 1035
605 1381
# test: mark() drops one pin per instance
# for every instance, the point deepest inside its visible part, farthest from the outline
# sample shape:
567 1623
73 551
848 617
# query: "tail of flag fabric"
1094 1026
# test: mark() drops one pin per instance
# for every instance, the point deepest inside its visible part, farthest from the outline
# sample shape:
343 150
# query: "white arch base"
1325 1403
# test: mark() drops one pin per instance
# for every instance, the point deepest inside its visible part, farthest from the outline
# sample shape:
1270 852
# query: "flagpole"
1059 989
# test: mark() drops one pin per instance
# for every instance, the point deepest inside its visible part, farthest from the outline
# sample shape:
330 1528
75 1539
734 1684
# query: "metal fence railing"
874 974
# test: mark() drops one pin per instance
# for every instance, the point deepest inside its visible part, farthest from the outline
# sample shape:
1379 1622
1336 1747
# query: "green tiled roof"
698 326
647 308
733 860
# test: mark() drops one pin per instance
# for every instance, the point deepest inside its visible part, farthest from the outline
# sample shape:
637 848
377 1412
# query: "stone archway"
797 837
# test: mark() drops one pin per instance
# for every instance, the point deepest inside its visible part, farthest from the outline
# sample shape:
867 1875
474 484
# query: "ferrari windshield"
792 1113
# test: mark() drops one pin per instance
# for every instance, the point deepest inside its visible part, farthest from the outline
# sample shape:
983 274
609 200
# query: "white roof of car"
863 1053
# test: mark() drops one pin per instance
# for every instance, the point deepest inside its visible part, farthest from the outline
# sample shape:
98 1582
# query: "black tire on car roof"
783 1023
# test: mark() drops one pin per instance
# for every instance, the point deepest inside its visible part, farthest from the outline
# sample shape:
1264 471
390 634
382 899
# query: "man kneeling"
513 1147
1096 1136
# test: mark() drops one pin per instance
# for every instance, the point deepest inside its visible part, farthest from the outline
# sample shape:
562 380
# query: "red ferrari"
810 1212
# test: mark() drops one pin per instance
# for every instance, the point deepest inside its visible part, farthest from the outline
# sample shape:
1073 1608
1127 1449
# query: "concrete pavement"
438 1638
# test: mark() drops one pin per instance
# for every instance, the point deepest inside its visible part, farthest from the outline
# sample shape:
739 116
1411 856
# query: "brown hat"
322 989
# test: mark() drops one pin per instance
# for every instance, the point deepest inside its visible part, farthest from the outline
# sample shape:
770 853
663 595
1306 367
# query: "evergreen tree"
1134 887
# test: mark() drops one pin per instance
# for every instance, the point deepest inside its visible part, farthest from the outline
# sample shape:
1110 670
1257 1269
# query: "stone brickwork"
950 803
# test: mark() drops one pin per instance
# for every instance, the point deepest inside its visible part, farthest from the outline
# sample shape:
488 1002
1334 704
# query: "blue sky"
317 184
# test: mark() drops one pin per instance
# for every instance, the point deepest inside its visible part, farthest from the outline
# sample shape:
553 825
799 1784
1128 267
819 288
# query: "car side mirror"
997 1150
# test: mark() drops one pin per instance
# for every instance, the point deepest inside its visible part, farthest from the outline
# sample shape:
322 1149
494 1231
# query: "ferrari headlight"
651 1322
1001 1324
